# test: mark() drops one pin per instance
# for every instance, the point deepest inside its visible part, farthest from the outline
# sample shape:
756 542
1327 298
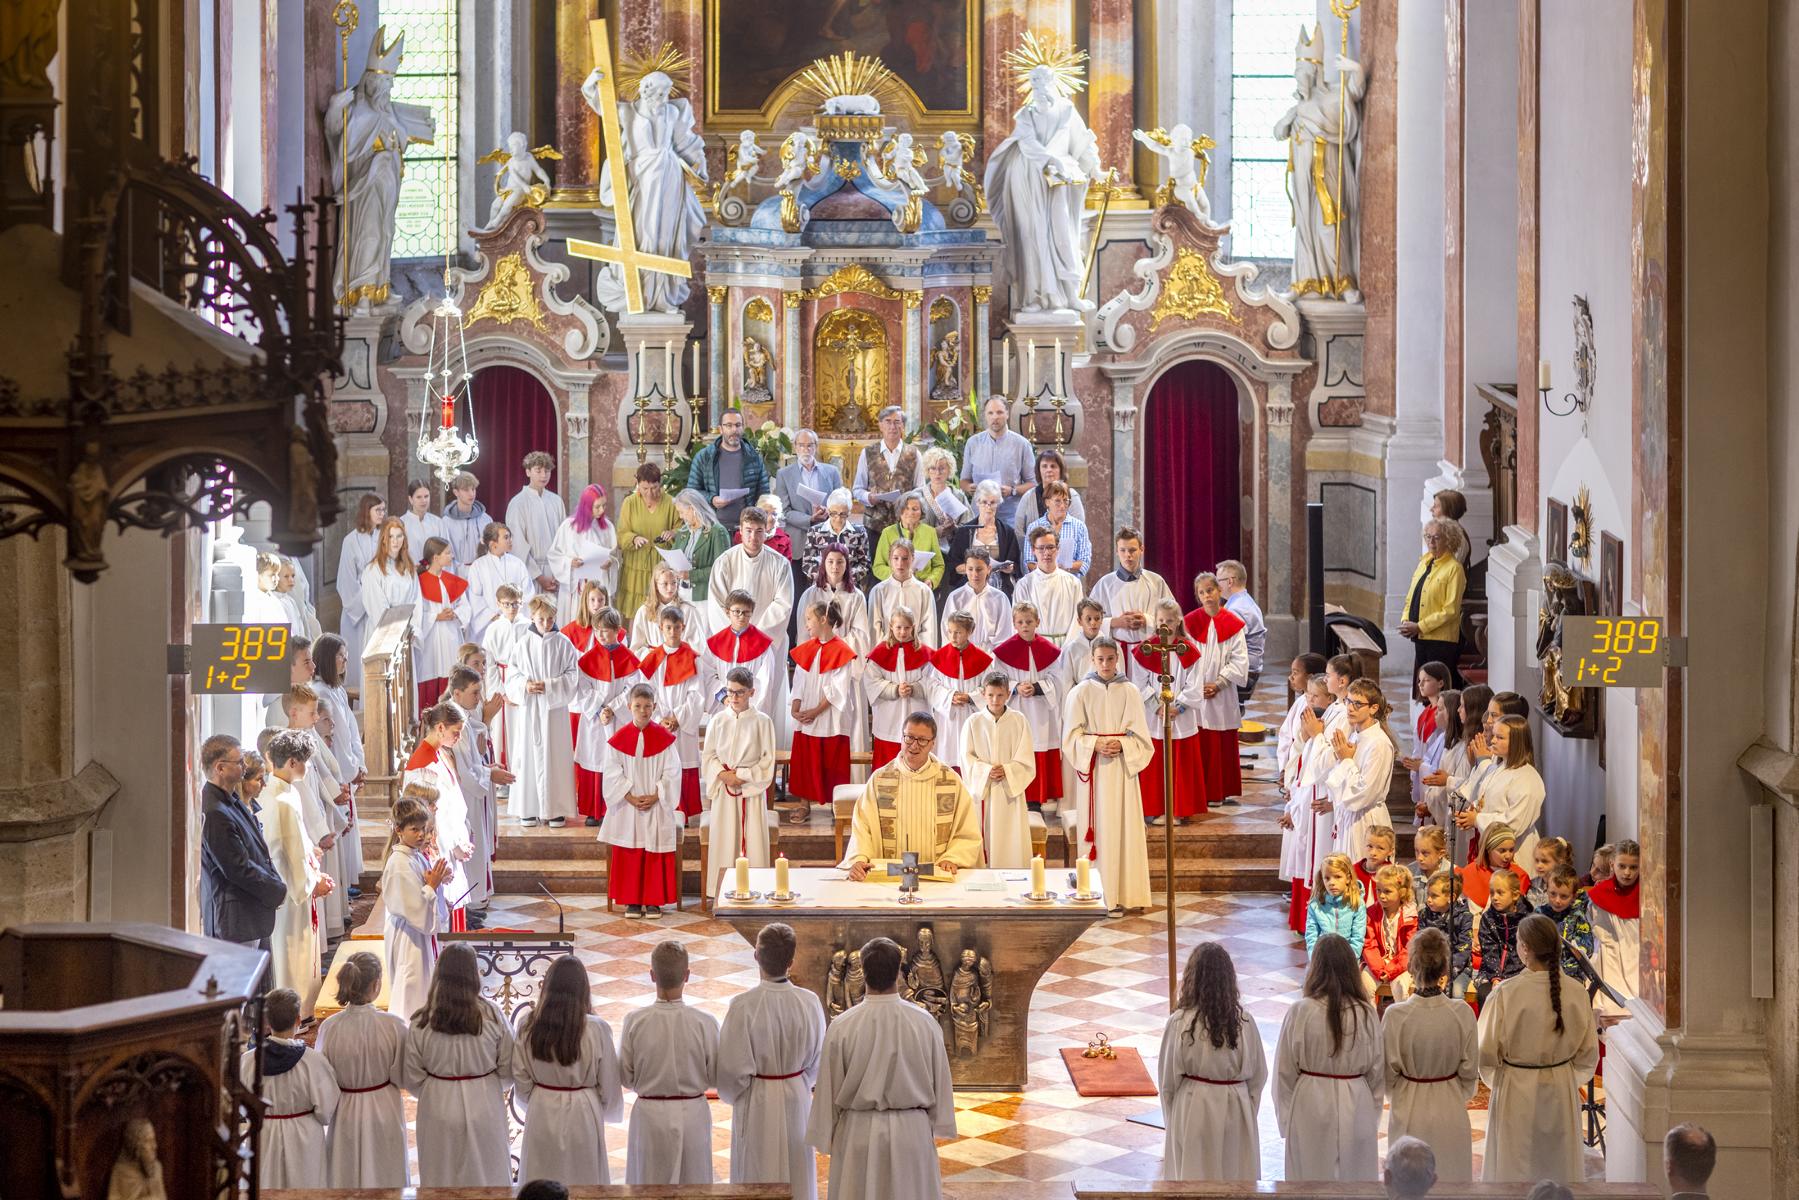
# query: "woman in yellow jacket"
1433 606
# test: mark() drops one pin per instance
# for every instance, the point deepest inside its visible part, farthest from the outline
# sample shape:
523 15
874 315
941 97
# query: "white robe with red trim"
1223 660
437 642
744 742
823 671
891 667
608 674
642 760
1185 674
1108 805
954 671
1037 662
436 769
752 650
1003 742
674 675
769 578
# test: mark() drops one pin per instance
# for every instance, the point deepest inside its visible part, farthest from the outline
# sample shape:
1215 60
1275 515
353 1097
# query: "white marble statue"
366 134
521 179
747 159
797 155
1037 189
852 106
661 151
1187 161
1326 129
899 166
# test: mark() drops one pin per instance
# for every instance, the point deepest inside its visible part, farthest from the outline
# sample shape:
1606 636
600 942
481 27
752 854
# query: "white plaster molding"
586 340
1115 335
1514 578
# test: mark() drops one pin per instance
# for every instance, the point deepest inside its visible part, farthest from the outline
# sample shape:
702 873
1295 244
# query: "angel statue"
366 134
1323 131
755 372
898 167
741 163
953 152
1037 181
944 361
799 159
520 182
1187 166
661 152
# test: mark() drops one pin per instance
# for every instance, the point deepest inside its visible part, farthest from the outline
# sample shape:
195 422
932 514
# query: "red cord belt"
789 1075
1430 1079
349 1091
699 1096
551 1087
1219 1082
1328 1075
459 1078
287 1116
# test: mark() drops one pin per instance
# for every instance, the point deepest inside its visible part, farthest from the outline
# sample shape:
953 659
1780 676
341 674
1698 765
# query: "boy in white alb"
755 568
478 778
543 677
672 670
325 801
737 765
998 766
668 1055
1033 665
1129 595
498 644
1077 663
953 684
642 778
498 567
299 1095
990 607
902 589
535 514
740 644
1055 592
1106 740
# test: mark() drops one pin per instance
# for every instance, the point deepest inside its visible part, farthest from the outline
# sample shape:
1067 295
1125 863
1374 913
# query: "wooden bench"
843 812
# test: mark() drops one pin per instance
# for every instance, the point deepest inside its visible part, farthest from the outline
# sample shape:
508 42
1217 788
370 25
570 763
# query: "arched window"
1263 34
431 75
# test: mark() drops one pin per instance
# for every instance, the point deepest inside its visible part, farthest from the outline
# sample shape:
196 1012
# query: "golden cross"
630 259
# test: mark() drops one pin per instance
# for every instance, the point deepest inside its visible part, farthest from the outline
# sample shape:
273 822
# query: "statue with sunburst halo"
665 162
1037 179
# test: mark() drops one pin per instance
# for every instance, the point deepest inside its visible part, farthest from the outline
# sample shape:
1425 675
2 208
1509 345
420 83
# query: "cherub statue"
798 159
944 361
954 150
899 163
741 163
520 182
755 372
1188 164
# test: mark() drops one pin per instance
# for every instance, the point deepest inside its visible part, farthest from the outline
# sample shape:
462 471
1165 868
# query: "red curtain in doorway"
1193 498
513 416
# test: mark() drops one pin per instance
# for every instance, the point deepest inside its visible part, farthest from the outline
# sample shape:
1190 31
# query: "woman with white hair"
982 528
700 537
778 541
837 529
944 503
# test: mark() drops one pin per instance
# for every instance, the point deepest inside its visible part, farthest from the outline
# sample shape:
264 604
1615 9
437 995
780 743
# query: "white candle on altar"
698 389
1057 389
781 886
668 367
1543 384
1030 365
1083 876
1038 883
1005 368
743 877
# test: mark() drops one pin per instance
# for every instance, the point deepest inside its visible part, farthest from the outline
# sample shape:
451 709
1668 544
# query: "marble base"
1043 351
654 344
1514 586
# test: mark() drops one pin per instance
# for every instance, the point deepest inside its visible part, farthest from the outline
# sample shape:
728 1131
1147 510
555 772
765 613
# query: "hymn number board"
1619 651
239 659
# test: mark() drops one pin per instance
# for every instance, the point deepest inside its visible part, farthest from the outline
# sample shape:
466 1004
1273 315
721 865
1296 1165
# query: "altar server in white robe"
982 600
1211 1075
898 677
499 567
1359 777
672 670
1223 668
1129 594
439 624
1034 666
294 945
1538 1047
737 766
421 523
668 1055
1055 593
413 902
498 644
585 548
883 1092
534 515
433 763
357 552
824 690
1329 1072
903 589
768 1055
646 622
1106 741
389 580
642 781
566 1078
738 643
299 1096
752 567
331 685
998 765
1433 1061
833 585
1511 794
458 1062
475 775
327 821
1307 823
543 677
953 682
366 1047
291 595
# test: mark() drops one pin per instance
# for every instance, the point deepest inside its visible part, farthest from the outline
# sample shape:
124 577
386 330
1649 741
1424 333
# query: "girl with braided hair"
1538 1045
1432 1061
1212 1074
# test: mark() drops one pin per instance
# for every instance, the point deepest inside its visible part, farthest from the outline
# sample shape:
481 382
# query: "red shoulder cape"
425 755
581 635
891 656
434 588
964 664
814 655
1151 660
683 664
655 738
1037 654
1608 895
1227 623
739 648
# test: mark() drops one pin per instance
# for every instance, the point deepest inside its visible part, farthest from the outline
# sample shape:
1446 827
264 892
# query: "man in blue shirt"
1002 456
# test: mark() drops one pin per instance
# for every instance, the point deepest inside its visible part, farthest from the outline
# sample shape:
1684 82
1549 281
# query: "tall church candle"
781 888
743 877
1083 876
1038 883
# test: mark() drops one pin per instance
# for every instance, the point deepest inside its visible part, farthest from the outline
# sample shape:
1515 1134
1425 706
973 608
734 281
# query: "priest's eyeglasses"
917 740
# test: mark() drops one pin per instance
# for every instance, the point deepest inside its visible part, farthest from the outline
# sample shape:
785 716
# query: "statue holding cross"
655 159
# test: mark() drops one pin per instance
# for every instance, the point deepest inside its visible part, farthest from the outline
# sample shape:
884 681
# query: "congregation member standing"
458 1061
1106 742
886 471
240 889
534 516
728 472
1211 1075
646 526
1051 468
1233 579
768 1052
803 487
566 1079
1001 455
668 1055
883 1093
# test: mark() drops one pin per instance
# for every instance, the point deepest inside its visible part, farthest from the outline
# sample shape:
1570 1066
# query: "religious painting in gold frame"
849 372
755 52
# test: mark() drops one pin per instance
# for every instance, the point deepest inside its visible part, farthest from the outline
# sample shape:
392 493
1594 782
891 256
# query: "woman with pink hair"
586 547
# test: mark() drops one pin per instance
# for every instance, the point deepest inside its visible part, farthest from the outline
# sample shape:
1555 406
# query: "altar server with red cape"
1615 908
1184 669
608 673
752 566
897 684
440 621
954 683
672 670
543 678
1106 740
1223 668
739 643
823 688
737 764
1034 666
642 777
433 764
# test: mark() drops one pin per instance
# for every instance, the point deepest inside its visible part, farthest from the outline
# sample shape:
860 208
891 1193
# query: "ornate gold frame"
911 112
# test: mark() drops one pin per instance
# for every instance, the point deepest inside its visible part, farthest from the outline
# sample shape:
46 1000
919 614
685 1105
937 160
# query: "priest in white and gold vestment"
915 804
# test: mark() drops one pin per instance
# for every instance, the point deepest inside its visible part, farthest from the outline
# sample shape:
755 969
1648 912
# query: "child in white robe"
1512 793
642 778
1187 671
365 1046
998 766
542 680
898 683
439 624
390 580
953 683
478 777
498 567
324 800
672 671
295 944
1329 1072
534 515
413 908
1432 1062
1106 741
357 551
299 1096
737 764
903 589
1615 908
1308 819
767 1060
433 764
1055 593
646 622
421 524
820 709
1361 769
1211 1074
498 643
766 575
738 643
990 608
585 548
458 1062
668 1055
1077 663
608 672
1128 595
1033 666
566 1078
834 584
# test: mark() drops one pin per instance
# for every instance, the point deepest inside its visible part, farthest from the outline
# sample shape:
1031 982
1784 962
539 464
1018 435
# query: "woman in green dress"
921 533
646 523
703 538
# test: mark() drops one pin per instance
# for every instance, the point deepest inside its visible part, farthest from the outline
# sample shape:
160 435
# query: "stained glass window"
428 75
1263 34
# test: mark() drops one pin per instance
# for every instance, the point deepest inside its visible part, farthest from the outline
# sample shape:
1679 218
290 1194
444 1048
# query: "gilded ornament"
846 74
668 60
854 277
758 309
1190 290
507 296
716 293
982 294
1580 536
915 299
1047 51
792 299
942 309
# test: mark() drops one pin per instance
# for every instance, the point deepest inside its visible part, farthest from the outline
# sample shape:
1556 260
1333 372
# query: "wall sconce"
1574 403
1586 362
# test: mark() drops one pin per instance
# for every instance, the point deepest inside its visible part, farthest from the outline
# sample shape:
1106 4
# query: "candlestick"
1083 876
1038 883
743 877
781 888
1543 383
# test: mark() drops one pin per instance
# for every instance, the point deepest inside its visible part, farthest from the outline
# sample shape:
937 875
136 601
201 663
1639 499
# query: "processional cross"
1168 644
630 259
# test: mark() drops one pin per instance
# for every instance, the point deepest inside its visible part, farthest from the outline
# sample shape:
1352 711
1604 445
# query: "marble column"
1183 73
789 369
1530 196
1374 31
983 348
717 372
577 126
1125 492
1003 25
913 375
1110 84
1283 599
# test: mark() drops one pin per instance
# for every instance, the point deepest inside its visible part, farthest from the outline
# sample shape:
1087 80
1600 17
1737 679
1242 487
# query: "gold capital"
914 299
982 294
716 293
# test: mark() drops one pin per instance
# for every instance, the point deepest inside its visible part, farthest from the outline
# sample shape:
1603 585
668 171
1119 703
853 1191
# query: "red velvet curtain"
1193 505
513 416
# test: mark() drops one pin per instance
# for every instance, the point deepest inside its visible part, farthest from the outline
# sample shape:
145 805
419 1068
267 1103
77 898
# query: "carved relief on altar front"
959 1000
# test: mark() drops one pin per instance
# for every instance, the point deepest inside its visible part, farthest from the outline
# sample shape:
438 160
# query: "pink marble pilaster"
1530 197
577 127
1110 84
1003 25
684 24
1455 212
1379 28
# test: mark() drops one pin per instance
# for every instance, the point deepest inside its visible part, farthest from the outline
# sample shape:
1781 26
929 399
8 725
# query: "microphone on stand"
552 895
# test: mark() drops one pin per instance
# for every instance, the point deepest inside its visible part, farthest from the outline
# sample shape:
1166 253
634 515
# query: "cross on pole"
630 259
1168 644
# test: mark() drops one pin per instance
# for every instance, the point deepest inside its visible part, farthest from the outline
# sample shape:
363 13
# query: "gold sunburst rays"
670 60
846 74
1047 50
